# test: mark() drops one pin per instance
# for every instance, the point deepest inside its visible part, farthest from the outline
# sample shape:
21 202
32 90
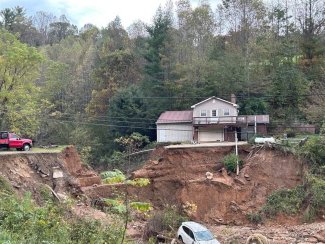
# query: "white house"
210 120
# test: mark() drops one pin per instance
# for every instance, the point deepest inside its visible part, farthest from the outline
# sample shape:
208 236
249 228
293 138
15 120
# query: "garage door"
174 132
211 135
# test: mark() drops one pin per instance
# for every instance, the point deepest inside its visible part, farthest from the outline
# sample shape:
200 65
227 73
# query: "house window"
203 113
226 112
214 113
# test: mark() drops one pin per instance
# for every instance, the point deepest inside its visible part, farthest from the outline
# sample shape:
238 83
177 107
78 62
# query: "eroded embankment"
179 176
63 172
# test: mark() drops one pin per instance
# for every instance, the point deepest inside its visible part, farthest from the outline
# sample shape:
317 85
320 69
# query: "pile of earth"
179 177
38 173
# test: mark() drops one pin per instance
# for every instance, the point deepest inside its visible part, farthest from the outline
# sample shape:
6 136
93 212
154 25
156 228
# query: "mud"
179 175
32 172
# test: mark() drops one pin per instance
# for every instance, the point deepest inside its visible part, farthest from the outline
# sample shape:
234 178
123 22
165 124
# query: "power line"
146 128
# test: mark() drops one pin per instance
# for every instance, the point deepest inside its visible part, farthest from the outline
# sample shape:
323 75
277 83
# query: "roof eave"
233 104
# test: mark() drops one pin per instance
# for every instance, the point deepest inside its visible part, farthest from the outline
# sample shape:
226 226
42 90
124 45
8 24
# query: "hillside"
178 177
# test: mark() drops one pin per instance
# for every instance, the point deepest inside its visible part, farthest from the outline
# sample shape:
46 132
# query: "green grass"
44 150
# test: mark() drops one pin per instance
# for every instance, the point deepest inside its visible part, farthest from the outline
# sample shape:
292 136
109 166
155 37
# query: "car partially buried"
191 232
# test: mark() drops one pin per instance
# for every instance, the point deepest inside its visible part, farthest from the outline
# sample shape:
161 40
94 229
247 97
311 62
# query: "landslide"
37 173
178 176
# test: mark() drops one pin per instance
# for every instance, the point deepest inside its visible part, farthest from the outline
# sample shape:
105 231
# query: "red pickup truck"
11 140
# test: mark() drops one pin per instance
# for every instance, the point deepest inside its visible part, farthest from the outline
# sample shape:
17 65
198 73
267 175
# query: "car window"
13 136
203 235
191 234
188 232
4 136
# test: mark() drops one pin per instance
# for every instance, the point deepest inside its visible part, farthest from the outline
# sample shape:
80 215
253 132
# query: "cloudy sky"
98 12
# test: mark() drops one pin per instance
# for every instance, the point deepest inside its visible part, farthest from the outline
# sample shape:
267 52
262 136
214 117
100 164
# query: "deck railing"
241 119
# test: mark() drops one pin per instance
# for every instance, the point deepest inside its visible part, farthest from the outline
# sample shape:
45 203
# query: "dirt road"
282 234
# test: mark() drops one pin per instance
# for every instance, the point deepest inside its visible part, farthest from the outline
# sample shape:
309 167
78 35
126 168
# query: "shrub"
112 177
290 133
139 182
314 151
166 220
254 218
5 186
287 201
21 221
230 162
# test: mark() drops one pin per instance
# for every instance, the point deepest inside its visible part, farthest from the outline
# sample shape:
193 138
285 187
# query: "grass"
44 150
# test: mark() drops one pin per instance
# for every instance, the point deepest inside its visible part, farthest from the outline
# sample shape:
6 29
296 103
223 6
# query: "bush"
290 133
165 221
287 201
23 222
5 186
112 177
254 218
314 151
230 162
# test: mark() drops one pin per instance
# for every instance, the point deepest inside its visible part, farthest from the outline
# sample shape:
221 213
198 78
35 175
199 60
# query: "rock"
239 181
246 175
209 175
319 237
257 239
311 239
57 173
62 196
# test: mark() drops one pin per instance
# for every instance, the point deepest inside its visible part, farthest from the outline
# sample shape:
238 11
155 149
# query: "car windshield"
203 235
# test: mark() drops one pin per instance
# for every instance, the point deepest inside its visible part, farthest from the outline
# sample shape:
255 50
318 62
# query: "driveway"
209 144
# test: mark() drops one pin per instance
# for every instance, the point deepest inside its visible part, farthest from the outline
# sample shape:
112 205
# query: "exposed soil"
179 176
63 172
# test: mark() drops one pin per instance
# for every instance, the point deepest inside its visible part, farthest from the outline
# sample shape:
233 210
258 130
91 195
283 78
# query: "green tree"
19 67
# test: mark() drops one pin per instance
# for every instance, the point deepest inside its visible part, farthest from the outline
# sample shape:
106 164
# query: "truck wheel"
26 147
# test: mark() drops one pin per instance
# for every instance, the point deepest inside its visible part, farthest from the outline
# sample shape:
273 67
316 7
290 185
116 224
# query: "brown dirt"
32 172
179 176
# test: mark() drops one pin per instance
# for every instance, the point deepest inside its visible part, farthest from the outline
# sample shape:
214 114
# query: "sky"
97 12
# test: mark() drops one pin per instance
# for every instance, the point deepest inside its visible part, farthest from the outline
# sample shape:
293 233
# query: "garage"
211 135
174 132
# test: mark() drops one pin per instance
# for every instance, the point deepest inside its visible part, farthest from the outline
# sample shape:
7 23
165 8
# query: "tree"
19 66
42 21
155 70
61 29
116 67
15 21
288 86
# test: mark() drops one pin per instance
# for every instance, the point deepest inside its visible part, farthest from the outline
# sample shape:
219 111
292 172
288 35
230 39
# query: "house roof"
170 117
214 97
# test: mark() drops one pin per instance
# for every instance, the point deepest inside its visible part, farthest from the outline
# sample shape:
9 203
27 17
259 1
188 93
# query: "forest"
90 86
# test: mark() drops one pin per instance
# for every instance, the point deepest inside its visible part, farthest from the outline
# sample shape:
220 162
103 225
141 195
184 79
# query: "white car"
195 233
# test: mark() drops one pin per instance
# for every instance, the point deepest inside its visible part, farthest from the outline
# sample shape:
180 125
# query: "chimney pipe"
233 98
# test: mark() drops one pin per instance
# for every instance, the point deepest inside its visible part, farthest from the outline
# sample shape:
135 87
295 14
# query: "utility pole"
236 143
255 126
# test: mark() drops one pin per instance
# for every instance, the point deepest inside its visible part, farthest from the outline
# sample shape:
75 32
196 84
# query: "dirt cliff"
33 172
178 176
